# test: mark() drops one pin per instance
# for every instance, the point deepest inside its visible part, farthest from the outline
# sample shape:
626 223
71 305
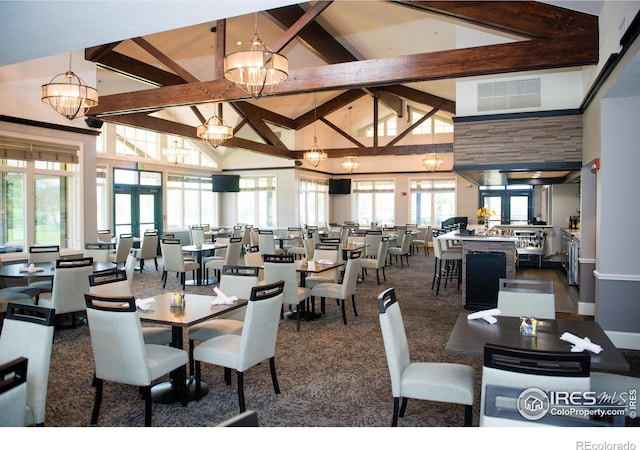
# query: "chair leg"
403 407
164 279
155 260
191 347
197 380
353 302
468 415
274 378
243 408
344 313
299 309
98 383
384 276
396 407
378 276
146 394
227 376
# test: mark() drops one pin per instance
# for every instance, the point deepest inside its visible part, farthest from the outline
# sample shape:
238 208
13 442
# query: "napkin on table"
324 261
486 315
222 299
580 344
145 304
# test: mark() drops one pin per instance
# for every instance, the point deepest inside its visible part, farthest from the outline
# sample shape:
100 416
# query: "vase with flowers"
484 214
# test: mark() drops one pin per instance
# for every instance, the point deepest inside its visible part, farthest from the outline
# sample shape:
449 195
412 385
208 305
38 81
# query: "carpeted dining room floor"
330 374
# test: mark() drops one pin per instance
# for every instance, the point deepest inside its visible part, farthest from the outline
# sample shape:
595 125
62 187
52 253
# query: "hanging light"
350 163
432 161
256 68
315 155
69 95
214 131
176 154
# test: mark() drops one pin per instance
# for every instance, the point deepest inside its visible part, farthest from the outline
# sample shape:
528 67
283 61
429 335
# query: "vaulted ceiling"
384 55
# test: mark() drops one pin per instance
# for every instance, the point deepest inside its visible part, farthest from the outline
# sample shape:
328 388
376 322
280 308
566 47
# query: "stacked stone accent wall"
518 140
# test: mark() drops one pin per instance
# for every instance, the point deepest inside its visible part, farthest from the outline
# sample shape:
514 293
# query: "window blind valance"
25 150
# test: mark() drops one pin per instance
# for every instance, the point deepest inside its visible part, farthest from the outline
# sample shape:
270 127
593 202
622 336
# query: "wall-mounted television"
339 186
225 183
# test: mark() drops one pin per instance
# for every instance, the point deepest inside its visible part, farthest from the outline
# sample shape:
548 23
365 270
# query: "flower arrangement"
484 213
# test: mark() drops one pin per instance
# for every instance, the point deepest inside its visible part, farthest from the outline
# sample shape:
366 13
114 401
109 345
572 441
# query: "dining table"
200 250
282 238
196 309
468 337
313 267
46 269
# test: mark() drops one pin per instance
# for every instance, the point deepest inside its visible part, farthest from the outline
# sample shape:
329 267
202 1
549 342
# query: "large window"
38 194
374 202
432 201
513 204
190 201
257 201
435 123
314 200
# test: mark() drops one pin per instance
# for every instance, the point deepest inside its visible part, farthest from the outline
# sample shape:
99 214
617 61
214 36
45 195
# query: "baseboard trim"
624 339
586 309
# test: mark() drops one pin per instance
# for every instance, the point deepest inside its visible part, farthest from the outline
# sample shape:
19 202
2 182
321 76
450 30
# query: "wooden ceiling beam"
421 97
255 120
528 19
137 70
165 60
538 54
380 151
326 108
299 25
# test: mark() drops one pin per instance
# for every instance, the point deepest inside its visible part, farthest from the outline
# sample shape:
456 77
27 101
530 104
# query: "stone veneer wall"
480 245
518 140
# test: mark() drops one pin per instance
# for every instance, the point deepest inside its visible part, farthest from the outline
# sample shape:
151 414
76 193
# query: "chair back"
246 236
104 235
197 235
255 237
406 241
112 283
328 252
437 247
234 251
27 332
309 247
266 242
508 372
350 279
237 231
373 238
253 257
70 283
43 253
130 265
149 246
99 251
13 392
526 298
281 267
344 233
222 252
381 256
260 329
116 339
125 242
238 280
394 336
172 256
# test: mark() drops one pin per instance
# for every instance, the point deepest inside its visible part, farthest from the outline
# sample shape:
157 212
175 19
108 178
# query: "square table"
197 308
468 337
200 250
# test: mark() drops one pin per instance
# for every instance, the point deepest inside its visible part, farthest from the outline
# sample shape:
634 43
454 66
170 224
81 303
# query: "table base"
307 316
165 394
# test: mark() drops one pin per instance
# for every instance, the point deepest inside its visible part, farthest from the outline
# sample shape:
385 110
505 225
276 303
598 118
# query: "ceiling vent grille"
514 94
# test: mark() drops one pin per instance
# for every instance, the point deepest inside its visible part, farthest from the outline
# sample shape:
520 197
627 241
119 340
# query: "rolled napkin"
145 304
324 261
31 269
487 315
580 344
222 299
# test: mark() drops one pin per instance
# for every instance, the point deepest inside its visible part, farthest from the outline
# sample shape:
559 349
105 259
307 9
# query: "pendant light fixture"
315 155
256 69
214 131
69 95
350 163
432 161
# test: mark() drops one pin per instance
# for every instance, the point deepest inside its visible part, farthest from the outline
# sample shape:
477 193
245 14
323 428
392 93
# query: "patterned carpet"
330 375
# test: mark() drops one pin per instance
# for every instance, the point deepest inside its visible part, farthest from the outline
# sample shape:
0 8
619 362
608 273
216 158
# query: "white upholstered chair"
234 280
43 254
256 344
231 258
341 291
432 381
526 298
119 255
148 249
70 282
267 244
28 331
326 252
174 261
116 284
402 250
121 355
281 267
13 392
379 261
99 251
104 235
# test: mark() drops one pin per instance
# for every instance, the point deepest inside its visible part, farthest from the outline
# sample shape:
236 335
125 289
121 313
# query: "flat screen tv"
339 186
225 183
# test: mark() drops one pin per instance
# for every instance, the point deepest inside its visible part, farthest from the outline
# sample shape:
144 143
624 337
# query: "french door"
511 206
137 209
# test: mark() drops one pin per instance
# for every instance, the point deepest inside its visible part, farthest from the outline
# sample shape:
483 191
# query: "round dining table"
46 269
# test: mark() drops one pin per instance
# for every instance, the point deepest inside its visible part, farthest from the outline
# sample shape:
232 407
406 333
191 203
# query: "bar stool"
452 268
